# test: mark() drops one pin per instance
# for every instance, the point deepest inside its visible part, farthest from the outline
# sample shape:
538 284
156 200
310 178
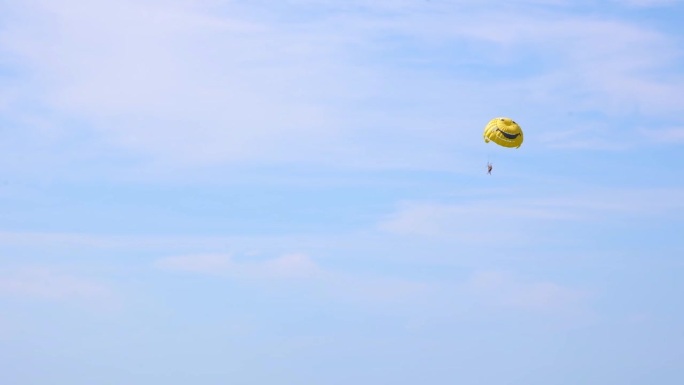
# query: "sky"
295 192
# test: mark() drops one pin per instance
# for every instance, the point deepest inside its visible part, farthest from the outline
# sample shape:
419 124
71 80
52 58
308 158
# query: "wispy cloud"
646 3
503 289
182 83
472 221
297 270
184 86
490 289
46 283
468 222
673 135
290 266
81 242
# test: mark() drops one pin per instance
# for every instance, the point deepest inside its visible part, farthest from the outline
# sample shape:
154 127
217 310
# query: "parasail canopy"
504 132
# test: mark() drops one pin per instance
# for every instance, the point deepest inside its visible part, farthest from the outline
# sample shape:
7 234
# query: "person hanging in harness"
489 168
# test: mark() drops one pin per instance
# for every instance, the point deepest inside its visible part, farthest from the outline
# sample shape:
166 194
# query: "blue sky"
295 192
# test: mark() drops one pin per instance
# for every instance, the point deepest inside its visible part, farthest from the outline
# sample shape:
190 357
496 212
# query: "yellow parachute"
504 132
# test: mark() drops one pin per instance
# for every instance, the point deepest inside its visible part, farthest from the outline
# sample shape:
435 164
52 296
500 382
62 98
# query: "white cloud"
87 242
208 264
647 3
173 82
17 238
291 265
473 222
297 270
49 284
183 83
512 218
286 266
502 289
673 135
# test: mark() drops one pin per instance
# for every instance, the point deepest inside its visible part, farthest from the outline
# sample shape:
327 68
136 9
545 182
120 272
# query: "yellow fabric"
504 132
